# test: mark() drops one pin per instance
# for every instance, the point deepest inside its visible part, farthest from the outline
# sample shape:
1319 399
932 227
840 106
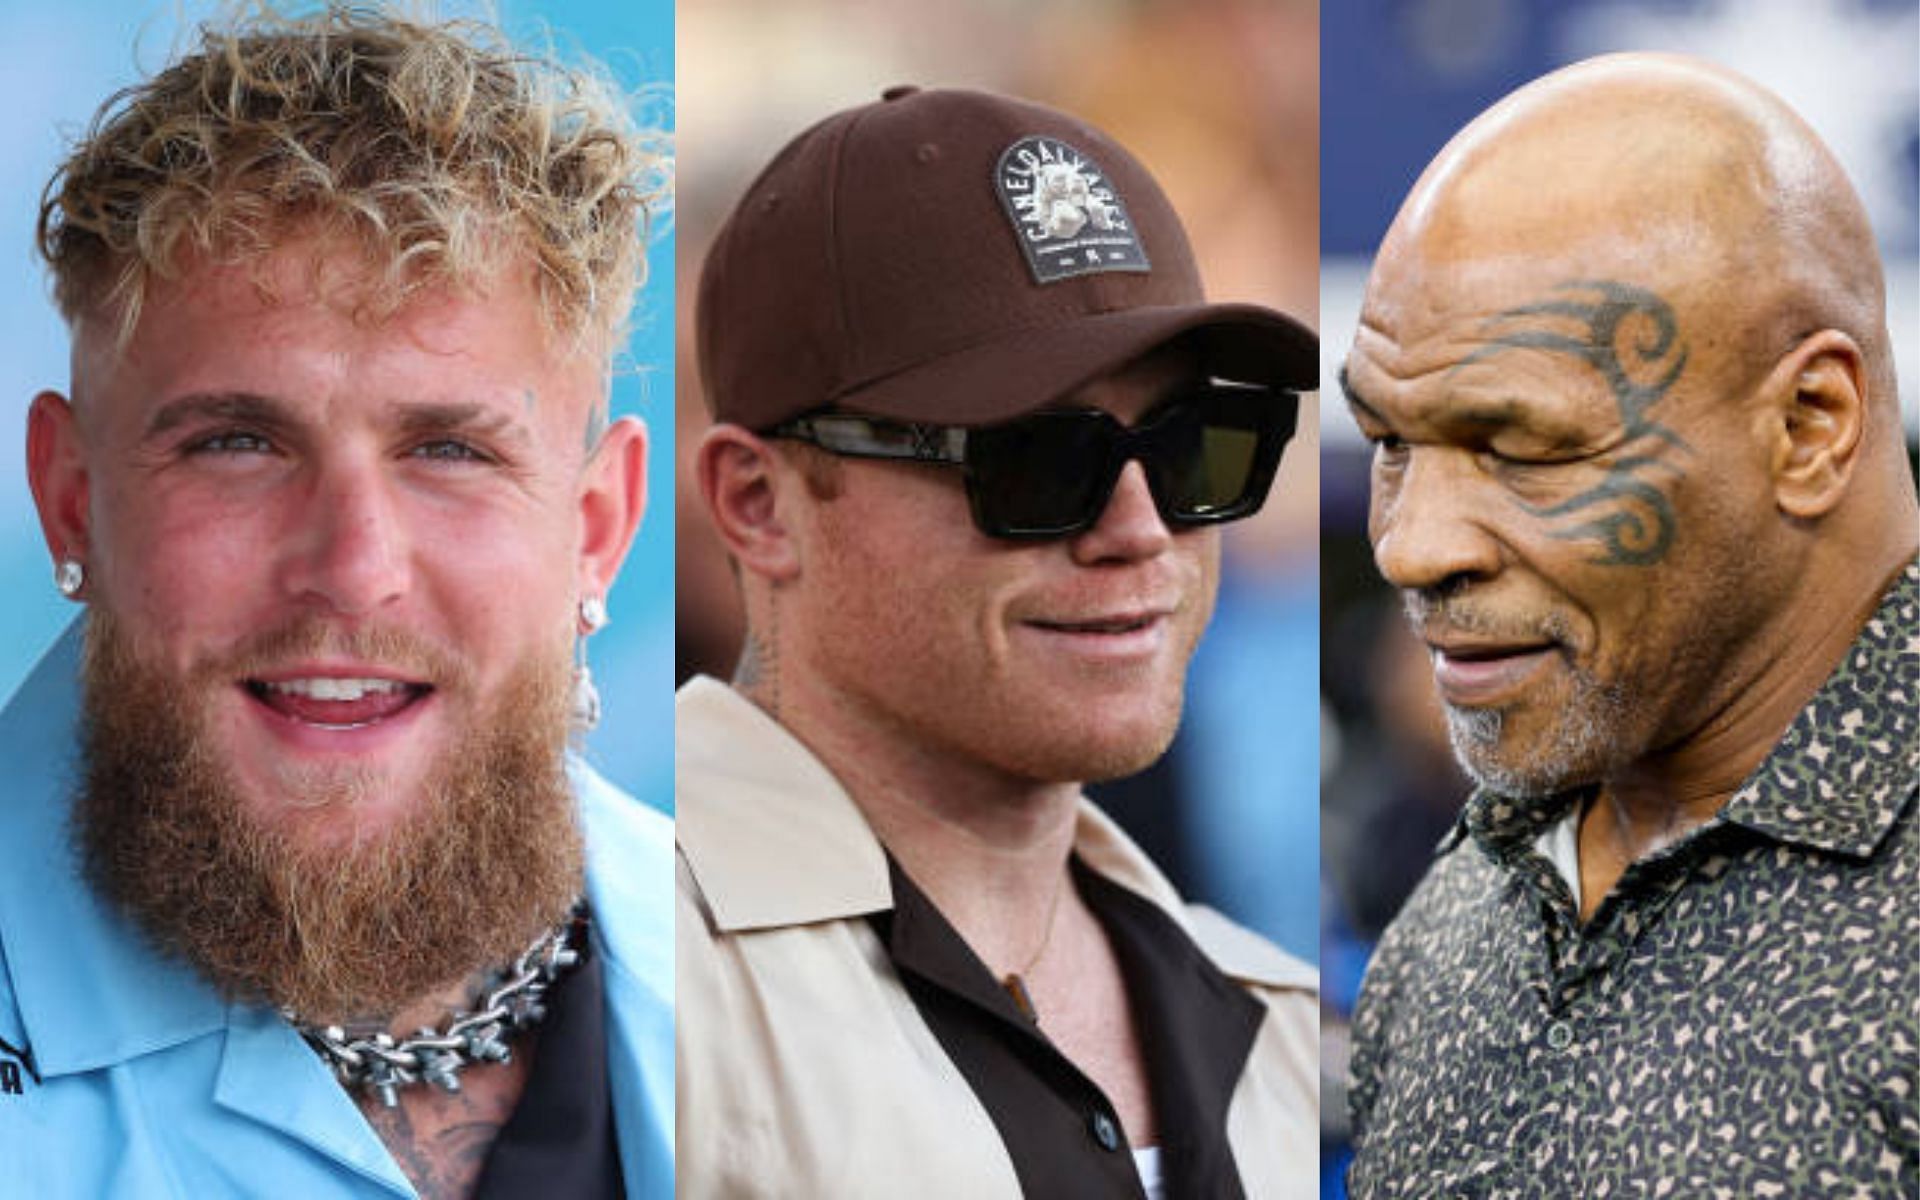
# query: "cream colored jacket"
804 1068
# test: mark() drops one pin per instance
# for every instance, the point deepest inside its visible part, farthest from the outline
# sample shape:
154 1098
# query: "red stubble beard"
486 856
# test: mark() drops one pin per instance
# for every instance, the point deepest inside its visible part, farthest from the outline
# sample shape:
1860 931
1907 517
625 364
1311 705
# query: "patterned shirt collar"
1859 731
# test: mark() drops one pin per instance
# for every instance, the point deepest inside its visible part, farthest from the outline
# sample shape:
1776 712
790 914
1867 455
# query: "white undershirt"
1560 845
1147 1163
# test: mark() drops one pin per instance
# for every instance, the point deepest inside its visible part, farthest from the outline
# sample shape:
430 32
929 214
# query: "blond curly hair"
436 148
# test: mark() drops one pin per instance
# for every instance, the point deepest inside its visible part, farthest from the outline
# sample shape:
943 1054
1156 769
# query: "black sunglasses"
1209 453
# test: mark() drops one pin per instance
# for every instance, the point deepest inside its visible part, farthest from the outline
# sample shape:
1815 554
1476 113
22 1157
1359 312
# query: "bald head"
1679 176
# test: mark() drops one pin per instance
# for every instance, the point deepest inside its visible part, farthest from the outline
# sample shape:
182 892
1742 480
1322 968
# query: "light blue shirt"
149 1085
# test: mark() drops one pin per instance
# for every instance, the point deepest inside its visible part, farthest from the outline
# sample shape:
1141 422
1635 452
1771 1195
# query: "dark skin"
1624 362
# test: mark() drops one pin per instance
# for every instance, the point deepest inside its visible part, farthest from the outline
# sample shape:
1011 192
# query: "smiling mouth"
1489 653
337 703
1479 675
1105 625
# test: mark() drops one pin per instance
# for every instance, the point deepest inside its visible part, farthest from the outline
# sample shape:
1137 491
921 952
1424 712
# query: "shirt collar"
1845 770
1839 778
774 840
89 989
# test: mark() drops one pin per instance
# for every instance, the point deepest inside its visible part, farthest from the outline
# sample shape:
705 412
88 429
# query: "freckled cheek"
169 563
1206 588
956 608
992 621
955 616
492 578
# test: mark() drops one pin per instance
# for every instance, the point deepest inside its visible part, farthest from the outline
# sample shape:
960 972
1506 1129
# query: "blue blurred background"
1401 77
68 58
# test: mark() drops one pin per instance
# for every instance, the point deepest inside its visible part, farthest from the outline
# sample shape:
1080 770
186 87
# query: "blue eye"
449 450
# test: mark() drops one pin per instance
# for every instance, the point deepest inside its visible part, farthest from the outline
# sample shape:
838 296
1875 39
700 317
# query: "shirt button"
1559 1035
1105 1131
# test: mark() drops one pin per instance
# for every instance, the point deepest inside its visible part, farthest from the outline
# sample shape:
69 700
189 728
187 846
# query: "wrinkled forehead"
1492 341
1585 216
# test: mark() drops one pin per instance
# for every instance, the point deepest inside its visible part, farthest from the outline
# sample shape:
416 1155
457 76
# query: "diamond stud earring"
69 576
593 614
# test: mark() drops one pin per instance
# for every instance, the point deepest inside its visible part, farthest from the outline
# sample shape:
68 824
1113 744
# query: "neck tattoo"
511 1001
1014 981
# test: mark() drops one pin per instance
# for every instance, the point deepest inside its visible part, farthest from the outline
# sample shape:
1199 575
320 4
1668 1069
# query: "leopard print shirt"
1740 1018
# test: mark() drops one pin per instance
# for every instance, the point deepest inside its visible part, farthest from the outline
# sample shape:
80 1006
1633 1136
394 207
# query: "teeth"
326 688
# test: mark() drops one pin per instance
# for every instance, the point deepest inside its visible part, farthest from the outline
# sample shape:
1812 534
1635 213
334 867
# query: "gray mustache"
1431 614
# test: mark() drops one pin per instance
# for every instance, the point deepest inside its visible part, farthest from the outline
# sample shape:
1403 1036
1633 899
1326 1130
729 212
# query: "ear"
737 477
611 503
1815 421
57 473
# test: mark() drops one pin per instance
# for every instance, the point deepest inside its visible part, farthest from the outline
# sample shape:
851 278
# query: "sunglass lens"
1207 455
1042 475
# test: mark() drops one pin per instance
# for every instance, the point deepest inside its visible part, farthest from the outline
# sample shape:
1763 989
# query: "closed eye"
1540 456
1388 447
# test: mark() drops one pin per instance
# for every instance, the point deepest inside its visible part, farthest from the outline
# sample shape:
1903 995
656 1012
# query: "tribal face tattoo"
1630 337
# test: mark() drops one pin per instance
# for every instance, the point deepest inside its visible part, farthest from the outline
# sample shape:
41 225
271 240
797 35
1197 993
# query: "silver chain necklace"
378 1063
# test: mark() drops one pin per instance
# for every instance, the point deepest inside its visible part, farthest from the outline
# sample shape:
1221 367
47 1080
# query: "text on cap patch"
1066 216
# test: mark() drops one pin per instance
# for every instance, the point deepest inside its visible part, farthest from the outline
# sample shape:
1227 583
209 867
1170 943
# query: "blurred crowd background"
66 59
1220 99
1401 77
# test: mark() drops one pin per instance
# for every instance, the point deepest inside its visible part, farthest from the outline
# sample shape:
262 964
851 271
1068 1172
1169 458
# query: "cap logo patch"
1066 215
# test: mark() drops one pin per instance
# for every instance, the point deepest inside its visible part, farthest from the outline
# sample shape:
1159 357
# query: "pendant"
1017 988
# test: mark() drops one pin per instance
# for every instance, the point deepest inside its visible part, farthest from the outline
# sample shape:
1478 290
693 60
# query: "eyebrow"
245 407
1353 398
461 417
270 413
1475 414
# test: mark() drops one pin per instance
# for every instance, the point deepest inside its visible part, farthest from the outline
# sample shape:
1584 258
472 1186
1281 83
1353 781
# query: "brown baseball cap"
959 257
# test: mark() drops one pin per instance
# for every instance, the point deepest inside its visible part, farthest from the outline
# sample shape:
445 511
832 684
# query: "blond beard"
337 929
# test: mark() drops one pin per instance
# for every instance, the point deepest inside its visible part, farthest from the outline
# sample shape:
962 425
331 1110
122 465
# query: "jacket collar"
767 830
774 840
89 989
